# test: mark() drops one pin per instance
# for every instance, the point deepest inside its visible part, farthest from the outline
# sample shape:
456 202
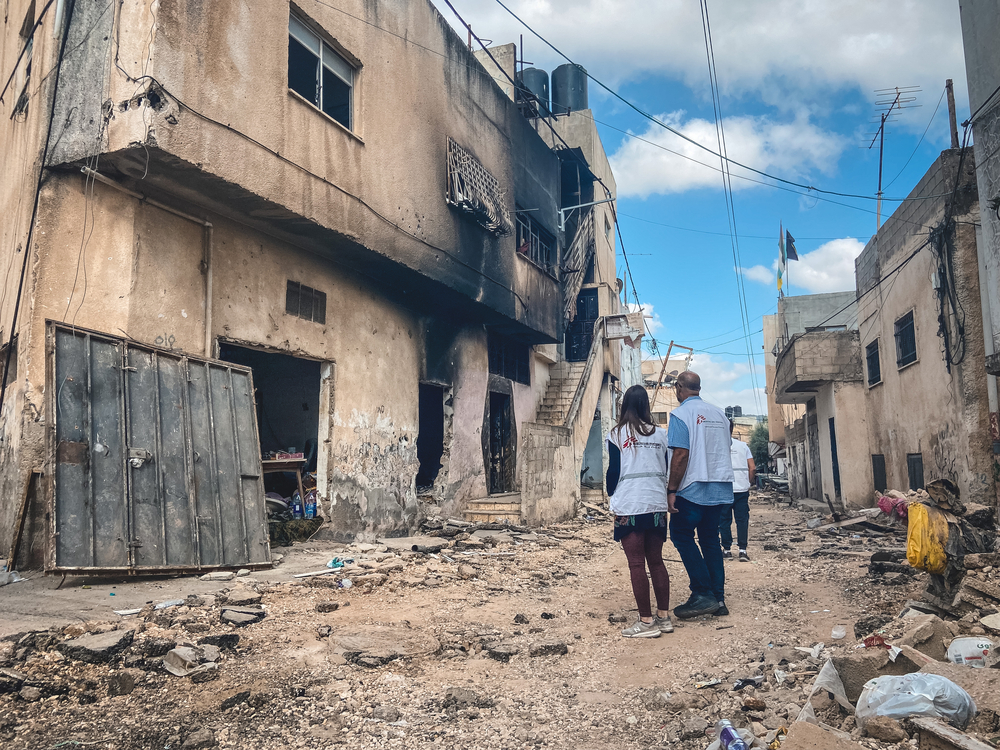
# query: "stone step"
494 507
486 516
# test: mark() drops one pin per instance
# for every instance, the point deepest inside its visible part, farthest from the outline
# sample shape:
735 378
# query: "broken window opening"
430 438
906 340
318 73
874 367
305 302
286 395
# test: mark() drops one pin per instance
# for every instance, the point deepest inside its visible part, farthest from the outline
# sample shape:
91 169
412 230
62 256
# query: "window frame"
305 34
508 358
915 463
878 362
537 238
899 328
317 299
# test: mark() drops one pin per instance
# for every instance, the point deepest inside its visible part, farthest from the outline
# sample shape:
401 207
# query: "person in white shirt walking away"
744 476
636 481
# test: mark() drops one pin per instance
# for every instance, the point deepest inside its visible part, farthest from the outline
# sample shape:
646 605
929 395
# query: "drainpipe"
207 240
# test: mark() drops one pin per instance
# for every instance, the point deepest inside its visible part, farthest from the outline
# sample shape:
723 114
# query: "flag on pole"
790 253
781 256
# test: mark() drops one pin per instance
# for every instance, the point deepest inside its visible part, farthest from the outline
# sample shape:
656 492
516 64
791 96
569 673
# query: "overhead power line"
652 118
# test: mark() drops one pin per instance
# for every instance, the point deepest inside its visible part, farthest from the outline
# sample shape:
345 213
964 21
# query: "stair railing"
596 350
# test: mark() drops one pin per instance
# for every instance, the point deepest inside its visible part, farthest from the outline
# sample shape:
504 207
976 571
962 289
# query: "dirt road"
441 650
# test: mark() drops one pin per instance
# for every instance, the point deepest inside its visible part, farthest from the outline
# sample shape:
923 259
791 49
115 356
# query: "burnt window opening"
430 438
906 340
305 302
878 472
509 358
534 243
11 349
915 470
319 73
874 366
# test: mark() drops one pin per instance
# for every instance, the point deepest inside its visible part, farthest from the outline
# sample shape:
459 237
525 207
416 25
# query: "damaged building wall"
845 469
929 412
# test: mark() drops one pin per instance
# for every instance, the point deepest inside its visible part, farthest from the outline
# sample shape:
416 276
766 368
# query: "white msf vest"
642 484
708 433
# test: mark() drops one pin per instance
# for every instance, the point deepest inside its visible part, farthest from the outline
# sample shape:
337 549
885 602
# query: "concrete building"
980 27
921 339
663 400
806 330
338 198
893 384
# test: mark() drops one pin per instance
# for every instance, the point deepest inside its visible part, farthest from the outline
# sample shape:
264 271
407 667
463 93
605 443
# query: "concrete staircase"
503 508
559 395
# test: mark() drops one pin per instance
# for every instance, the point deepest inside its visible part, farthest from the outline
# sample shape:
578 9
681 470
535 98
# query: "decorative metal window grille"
535 243
474 190
304 302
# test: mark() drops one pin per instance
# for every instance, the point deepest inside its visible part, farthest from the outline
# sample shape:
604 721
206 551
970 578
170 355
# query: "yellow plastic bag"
926 537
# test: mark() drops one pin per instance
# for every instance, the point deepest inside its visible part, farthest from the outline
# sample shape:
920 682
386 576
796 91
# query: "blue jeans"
704 566
740 510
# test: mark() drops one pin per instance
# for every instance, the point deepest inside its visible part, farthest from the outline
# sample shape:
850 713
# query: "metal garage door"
155 458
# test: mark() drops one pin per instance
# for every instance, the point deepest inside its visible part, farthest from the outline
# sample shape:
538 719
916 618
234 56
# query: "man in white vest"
699 488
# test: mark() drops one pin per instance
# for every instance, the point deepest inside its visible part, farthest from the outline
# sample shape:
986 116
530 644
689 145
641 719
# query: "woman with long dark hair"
637 485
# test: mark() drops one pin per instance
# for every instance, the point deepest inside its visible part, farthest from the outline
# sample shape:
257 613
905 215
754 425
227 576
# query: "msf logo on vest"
629 442
701 418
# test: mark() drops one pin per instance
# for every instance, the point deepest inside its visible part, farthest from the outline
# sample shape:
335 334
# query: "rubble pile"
492 636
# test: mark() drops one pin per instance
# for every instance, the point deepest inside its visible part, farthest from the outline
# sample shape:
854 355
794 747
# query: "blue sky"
798 84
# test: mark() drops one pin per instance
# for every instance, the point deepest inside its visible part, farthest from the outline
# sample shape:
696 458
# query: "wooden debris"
934 734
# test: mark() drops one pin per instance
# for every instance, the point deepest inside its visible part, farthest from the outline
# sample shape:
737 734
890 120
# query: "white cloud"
759 274
729 384
792 148
828 268
653 323
784 52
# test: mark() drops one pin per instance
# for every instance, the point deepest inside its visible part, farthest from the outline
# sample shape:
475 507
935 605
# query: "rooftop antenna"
888 100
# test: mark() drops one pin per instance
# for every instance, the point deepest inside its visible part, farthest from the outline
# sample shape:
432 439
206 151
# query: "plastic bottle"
296 505
310 508
729 739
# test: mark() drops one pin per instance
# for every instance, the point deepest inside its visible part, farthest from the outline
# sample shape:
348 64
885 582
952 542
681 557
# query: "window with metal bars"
319 73
535 243
874 366
509 358
305 302
906 340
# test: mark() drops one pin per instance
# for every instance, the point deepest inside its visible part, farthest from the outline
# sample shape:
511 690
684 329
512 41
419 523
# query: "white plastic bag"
915 694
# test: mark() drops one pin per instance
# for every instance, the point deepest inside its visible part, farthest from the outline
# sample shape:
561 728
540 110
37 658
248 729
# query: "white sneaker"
664 624
642 630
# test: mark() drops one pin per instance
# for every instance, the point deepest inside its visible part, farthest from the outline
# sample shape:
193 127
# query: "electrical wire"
720 234
728 191
681 135
929 123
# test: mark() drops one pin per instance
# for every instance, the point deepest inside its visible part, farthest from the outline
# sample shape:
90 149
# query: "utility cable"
929 123
42 166
681 135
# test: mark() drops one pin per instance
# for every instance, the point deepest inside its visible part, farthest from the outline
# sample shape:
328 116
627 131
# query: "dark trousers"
642 548
704 566
740 510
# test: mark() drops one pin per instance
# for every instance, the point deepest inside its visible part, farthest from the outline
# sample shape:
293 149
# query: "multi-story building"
337 198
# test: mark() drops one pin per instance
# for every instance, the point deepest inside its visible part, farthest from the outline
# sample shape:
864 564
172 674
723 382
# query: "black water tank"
569 89
537 82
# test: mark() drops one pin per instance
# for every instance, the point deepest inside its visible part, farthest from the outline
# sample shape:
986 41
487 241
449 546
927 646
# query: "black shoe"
695 606
727 555
722 611
744 557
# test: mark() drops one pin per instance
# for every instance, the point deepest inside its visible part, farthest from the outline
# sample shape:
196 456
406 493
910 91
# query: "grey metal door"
155 458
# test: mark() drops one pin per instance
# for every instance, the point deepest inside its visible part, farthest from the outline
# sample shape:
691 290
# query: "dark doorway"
286 392
878 472
580 333
833 456
915 470
430 438
502 448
